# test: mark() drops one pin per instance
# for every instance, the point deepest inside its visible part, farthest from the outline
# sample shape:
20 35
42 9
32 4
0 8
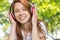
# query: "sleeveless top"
29 37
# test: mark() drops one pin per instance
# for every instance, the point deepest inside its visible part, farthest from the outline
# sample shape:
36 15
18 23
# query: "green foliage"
4 5
49 11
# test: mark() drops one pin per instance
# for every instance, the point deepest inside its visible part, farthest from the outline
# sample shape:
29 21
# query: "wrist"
34 24
13 25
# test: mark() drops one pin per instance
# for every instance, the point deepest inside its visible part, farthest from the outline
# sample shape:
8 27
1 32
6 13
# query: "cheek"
28 15
16 15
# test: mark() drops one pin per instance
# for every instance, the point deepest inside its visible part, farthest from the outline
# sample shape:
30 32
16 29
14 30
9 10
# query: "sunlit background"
48 10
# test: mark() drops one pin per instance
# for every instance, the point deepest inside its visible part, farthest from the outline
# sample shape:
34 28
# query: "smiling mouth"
22 18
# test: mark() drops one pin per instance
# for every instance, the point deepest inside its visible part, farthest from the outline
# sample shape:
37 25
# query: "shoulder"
42 24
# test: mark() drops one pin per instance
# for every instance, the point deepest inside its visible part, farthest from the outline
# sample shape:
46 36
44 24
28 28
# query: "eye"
16 11
24 9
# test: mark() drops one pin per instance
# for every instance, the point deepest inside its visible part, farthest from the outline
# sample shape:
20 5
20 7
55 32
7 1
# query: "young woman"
24 21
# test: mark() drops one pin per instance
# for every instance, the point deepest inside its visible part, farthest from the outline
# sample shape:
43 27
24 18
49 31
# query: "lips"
22 17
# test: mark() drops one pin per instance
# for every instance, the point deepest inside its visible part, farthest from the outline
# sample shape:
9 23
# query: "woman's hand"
12 35
35 35
35 16
12 21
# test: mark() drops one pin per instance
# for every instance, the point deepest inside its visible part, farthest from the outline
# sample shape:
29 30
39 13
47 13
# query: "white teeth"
21 18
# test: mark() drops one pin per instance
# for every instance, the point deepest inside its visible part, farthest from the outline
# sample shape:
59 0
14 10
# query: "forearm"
35 35
12 35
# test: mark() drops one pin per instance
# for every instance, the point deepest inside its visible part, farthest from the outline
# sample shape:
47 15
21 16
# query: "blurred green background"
48 10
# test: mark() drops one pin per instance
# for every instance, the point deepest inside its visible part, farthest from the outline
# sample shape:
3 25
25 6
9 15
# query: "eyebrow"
16 9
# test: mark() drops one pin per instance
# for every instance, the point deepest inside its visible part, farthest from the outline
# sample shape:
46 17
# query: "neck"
26 26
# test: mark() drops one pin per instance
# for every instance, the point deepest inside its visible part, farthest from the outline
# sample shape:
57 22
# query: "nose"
21 12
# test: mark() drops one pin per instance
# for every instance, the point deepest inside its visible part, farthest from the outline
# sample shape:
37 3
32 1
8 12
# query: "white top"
29 34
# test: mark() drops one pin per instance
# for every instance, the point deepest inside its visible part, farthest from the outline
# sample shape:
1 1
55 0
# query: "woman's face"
21 13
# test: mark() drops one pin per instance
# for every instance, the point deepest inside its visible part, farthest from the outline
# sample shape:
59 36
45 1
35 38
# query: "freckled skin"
21 13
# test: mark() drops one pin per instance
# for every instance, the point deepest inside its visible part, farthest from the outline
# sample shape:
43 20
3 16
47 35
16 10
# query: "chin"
23 22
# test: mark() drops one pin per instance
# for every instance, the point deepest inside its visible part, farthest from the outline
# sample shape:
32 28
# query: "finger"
32 8
35 10
35 13
8 16
11 15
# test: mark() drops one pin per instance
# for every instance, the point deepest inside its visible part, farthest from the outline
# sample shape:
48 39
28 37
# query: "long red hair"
18 30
